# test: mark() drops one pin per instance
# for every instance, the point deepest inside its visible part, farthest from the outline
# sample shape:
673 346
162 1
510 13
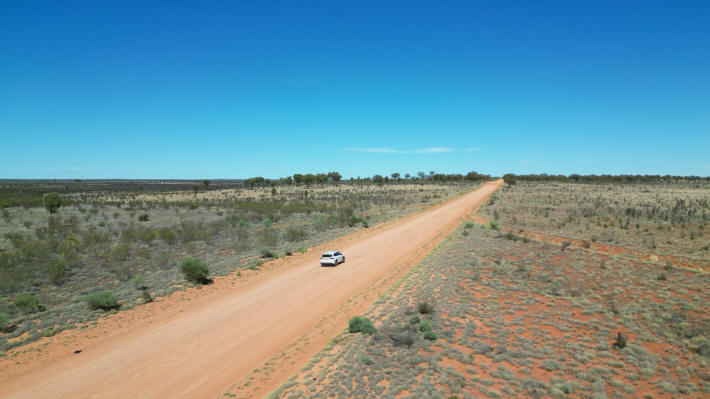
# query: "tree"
321 178
407 176
421 175
255 181
378 179
475 176
52 202
395 176
334 177
309 179
298 178
510 178
206 183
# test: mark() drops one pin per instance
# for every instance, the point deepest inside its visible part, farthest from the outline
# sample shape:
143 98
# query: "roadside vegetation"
71 251
523 313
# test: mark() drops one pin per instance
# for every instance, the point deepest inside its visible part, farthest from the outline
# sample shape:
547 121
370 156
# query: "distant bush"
57 270
510 179
621 341
361 324
27 303
147 298
105 300
425 308
414 320
494 225
195 271
144 217
52 202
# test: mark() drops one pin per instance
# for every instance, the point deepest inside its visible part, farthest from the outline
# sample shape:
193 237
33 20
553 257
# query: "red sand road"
199 352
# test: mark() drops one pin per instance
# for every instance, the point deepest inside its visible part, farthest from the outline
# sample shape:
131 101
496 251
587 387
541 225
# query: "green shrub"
425 308
494 225
430 335
57 270
27 303
621 341
510 179
52 202
195 271
105 300
361 324
366 360
147 298
414 320
144 217
425 326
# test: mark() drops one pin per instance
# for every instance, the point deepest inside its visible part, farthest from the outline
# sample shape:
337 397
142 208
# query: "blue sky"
238 89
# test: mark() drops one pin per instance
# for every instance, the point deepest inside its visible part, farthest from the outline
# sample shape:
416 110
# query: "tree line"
309 179
511 178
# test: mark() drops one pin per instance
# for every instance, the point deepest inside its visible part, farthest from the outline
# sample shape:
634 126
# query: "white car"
332 258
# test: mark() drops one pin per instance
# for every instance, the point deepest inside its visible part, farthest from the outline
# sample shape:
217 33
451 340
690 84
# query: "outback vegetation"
71 251
516 312
667 219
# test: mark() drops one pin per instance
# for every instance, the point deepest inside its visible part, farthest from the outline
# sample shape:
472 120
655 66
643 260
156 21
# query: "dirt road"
201 349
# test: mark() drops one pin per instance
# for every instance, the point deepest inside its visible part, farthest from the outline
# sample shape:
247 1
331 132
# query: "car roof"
329 252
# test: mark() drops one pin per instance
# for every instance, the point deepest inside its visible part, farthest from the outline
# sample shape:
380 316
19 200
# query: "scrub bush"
361 324
195 271
105 300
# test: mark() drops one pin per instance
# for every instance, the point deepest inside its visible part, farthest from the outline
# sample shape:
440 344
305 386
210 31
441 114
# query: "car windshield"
327 255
